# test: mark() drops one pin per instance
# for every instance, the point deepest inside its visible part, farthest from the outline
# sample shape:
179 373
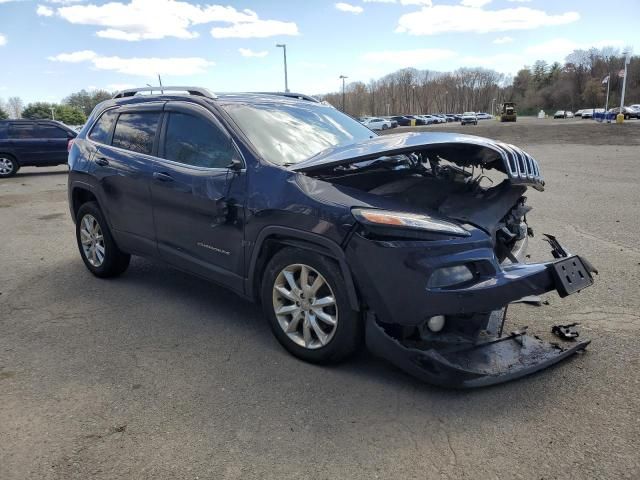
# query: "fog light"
436 323
448 276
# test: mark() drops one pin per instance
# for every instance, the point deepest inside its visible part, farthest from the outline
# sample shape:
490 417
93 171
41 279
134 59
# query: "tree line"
73 110
576 84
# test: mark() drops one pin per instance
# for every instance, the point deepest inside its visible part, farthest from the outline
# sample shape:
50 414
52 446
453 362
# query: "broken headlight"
414 221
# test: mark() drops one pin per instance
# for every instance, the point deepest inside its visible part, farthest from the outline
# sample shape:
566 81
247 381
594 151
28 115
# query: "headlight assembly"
414 221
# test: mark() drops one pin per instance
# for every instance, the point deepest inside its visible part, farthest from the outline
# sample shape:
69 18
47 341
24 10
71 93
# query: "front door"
198 198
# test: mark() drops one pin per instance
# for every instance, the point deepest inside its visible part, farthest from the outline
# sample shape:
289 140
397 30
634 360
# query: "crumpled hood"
464 150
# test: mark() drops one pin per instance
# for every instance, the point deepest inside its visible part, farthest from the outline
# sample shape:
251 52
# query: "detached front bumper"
471 350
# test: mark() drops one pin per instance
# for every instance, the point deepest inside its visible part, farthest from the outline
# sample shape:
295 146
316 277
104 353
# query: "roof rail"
299 96
198 91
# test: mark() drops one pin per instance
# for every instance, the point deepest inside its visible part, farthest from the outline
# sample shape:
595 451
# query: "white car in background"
469 117
376 123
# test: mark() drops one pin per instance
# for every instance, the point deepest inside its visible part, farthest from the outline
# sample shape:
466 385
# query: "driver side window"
194 141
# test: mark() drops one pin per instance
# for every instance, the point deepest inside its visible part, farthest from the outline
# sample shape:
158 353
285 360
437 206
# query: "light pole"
343 77
493 106
413 92
627 59
53 113
283 46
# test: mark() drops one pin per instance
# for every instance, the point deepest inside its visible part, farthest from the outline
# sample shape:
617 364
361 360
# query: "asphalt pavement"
161 375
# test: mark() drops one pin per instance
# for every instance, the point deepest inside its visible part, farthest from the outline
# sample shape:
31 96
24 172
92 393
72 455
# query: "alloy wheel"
6 166
92 240
305 306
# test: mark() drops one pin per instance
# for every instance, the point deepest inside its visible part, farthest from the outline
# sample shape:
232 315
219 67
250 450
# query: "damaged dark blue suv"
343 235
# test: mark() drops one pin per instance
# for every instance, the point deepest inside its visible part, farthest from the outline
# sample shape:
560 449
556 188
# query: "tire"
342 338
113 262
384 127
9 166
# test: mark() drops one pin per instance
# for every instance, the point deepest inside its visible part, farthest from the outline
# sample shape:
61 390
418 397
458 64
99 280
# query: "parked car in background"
418 119
429 119
343 236
32 143
438 118
578 113
484 116
451 117
394 123
402 120
626 111
562 114
588 113
469 118
377 123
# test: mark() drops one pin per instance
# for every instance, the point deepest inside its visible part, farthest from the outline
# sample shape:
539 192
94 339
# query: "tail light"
70 144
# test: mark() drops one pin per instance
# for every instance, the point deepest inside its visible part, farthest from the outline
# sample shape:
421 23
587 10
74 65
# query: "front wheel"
304 299
98 250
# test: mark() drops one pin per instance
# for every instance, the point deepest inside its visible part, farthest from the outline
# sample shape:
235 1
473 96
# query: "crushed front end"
438 254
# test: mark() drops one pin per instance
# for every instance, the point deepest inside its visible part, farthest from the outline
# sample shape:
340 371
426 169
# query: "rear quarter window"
51 131
101 131
136 131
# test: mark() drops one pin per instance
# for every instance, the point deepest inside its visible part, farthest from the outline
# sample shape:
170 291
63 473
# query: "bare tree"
15 107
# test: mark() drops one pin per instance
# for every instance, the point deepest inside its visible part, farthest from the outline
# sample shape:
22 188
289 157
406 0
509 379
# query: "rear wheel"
304 299
97 248
8 165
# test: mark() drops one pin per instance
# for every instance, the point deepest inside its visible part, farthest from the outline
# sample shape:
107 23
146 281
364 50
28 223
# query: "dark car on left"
32 143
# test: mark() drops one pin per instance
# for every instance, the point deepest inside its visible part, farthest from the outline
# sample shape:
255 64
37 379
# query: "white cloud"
3 40
156 19
114 87
502 40
458 18
409 58
44 11
422 3
145 67
247 52
75 57
347 7
256 29
474 3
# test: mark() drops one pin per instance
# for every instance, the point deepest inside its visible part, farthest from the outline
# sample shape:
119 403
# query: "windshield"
288 133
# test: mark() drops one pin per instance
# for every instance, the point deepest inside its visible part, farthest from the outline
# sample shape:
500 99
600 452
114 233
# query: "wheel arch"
81 194
274 238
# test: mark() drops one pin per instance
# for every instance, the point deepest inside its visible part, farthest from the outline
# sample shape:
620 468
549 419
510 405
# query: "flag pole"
606 105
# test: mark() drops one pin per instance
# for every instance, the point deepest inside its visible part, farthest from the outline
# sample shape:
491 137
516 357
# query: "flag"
621 74
606 79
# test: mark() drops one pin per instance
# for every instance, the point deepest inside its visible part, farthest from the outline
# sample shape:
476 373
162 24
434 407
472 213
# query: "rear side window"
102 129
51 131
22 131
195 141
136 131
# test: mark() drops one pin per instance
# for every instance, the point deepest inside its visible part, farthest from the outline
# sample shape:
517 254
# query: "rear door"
22 138
198 201
123 164
54 143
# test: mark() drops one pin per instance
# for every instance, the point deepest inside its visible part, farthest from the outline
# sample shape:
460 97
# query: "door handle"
162 177
102 161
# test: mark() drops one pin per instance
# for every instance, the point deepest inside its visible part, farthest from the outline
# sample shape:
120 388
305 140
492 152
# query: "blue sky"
50 48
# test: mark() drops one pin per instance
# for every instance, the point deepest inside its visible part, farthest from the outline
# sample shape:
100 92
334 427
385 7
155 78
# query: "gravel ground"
161 375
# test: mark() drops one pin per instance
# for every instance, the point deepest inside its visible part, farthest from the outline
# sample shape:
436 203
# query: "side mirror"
235 165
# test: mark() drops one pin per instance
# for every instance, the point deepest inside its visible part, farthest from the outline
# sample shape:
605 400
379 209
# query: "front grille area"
522 168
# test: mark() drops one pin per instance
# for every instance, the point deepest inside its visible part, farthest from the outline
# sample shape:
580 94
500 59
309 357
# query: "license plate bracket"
571 275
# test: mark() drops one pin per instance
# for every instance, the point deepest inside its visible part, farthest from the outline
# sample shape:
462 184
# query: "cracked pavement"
159 375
